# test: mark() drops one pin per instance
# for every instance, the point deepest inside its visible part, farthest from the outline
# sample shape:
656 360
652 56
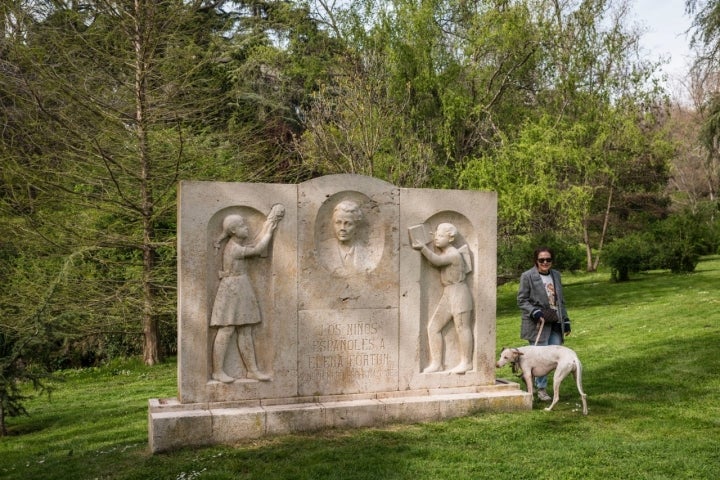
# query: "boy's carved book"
418 236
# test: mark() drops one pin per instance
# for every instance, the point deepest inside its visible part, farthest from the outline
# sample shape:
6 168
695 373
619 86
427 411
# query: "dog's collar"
516 369
515 365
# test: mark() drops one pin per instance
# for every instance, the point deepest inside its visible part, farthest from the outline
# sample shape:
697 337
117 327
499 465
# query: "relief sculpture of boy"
456 303
236 307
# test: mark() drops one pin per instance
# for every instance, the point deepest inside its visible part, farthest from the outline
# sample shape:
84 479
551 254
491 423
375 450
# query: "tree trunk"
591 264
3 427
588 248
143 14
606 221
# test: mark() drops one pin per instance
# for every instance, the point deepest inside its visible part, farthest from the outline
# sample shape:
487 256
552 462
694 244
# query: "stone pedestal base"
174 425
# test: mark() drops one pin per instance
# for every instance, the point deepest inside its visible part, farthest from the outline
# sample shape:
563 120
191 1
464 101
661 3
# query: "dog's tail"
577 373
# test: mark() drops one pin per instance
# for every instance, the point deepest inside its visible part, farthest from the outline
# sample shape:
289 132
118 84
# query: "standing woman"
540 296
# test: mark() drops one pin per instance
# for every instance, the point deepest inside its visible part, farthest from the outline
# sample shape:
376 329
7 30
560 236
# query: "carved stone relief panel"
241 293
348 288
341 285
346 270
447 288
237 263
447 320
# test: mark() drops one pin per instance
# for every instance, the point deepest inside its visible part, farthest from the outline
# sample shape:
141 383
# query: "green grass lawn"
652 375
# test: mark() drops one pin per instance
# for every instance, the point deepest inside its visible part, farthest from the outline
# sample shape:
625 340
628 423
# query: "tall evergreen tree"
109 104
109 97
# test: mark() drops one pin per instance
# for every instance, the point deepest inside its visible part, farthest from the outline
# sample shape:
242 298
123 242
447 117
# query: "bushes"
631 254
17 350
675 243
515 254
87 302
681 242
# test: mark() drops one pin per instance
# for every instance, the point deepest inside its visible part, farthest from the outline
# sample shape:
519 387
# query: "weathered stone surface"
474 214
202 208
348 351
343 301
173 429
178 428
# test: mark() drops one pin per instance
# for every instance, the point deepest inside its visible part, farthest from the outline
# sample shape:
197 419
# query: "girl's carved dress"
235 303
236 307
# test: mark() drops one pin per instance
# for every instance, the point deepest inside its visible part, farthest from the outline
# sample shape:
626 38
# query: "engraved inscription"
344 355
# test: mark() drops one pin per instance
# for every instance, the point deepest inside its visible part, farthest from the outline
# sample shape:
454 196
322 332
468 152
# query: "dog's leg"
527 376
577 373
560 373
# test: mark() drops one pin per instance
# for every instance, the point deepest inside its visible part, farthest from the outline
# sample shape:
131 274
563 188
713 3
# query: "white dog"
539 361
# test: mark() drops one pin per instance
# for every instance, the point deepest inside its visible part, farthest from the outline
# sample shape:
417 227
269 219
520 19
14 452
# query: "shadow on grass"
593 293
609 293
666 373
634 292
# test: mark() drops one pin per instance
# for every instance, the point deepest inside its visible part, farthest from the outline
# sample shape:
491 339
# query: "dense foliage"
675 244
106 105
16 372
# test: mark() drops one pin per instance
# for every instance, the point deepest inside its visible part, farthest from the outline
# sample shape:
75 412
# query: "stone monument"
343 301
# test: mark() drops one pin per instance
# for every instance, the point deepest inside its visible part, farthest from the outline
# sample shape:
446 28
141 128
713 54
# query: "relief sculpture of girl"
236 307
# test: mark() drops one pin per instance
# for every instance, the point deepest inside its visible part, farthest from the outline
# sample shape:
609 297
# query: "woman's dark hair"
539 250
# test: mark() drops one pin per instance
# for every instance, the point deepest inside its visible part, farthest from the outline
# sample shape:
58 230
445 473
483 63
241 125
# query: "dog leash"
542 324
560 302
